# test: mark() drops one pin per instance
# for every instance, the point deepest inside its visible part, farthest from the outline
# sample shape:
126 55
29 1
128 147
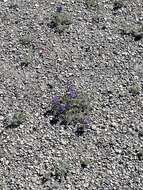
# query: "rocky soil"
98 46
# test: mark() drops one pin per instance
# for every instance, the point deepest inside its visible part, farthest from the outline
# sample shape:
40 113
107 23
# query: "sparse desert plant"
60 21
91 4
27 58
71 108
135 89
16 119
61 170
25 40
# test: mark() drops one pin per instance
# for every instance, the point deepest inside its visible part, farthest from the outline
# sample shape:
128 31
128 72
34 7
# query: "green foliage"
17 119
135 89
61 170
25 41
60 22
79 107
71 108
91 4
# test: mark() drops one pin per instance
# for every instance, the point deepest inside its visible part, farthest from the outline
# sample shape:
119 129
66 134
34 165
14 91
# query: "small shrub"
16 120
25 41
61 170
60 21
91 4
135 89
71 108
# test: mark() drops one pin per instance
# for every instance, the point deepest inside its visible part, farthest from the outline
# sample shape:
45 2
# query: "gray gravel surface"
102 55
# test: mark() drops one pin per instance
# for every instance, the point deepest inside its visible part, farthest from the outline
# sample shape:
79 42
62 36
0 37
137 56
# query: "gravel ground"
102 53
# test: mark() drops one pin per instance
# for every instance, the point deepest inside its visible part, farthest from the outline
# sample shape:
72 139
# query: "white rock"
114 124
1 118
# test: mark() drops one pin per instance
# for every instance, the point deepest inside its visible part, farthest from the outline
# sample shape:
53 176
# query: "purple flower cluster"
59 8
87 120
72 92
63 108
56 100
60 106
70 103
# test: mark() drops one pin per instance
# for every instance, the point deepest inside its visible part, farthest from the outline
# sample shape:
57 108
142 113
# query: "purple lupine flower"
56 100
59 8
63 107
72 92
87 120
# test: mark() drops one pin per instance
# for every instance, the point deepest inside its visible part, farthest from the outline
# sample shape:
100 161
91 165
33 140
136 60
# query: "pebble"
1 118
114 124
94 127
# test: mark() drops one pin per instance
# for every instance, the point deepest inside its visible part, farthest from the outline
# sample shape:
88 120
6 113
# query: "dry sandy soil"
101 52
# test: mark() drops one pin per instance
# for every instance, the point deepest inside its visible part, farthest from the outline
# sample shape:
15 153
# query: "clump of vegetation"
91 4
27 58
25 40
72 108
16 120
135 89
60 171
60 21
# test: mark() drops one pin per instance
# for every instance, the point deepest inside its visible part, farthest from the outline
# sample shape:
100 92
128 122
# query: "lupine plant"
71 108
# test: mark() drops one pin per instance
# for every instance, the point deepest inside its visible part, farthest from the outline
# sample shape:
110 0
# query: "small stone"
37 114
1 118
118 151
94 127
63 142
36 5
114 124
